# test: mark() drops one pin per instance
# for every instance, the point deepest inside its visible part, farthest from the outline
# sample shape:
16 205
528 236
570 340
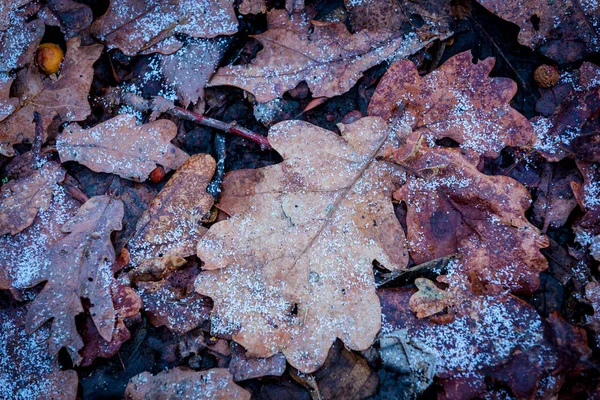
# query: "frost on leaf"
295 257
121 147
172 224
27 371
79 267
324 54
458 101
185 383
19 38
565 30
65 97
133 26
7 104
22 199
452 208
252 7
587 228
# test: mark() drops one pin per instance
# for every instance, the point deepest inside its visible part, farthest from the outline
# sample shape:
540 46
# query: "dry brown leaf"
190 68
21 200
121 147
19 37
172 224
79 267
133 26
252 7
69 15
328 57
8 8
65 97
565 30
458 100
184 383
430 299
243 367
452 208
587 229
592 294
28 371
296 256
7 104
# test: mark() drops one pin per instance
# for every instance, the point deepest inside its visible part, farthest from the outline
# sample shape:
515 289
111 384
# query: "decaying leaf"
121 147
592 294
69 15
252 7
458 101
324 54
7 104
296 256
190 68
27 371
243 367
430 299
172 224
587 230
183 383
564 30
65 97
136 25
79 267
19 38
21 200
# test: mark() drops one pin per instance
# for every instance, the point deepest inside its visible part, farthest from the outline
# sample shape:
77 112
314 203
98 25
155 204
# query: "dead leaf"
79 267
190 68
69 15
587 229
7 104
21 200
324 54
136 25
28 371
7 11
592 294
65 97
458 101
121 147
180 382
243 367
562 30
430 299
295 257
252 7
172 224
19 37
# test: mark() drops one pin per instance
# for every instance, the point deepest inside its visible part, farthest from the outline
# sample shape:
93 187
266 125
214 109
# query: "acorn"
546 76
49 56
157 174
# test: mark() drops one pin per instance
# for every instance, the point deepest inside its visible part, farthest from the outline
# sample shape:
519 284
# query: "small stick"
159 105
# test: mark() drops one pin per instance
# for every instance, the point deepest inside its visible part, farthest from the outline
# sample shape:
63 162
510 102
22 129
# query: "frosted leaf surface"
65 97
19 38
291 270
7 104
185 383
79 267
121 147
324 54
458 100
136 25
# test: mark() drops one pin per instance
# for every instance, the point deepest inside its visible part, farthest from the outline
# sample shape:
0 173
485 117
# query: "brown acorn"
157 174
546 76
49 56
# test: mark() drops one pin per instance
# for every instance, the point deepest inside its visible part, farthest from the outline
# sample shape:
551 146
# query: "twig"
142 104
214 188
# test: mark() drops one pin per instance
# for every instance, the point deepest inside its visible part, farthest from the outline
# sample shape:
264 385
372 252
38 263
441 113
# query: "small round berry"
546 76
49 56
157 174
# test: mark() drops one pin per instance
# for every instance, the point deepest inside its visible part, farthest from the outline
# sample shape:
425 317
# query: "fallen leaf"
19 38
21 200
79 267
7 104
252 7
243 367
592 295
324 54
136 25
28 371
121 147
562 30
458 101
296 256
65 97
189 69
70 16
587 229
180 382
8 9
430 299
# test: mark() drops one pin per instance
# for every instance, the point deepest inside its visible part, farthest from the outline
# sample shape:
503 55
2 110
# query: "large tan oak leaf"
133 26
119 146
458 100
291 270
328 57
79 268
65 97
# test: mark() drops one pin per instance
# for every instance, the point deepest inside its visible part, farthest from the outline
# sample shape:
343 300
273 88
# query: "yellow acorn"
49 56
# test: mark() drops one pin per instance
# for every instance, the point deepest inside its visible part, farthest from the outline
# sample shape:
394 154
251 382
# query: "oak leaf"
136 25
172 224
79 267
21 200
180 382
296 256
19 38
458 101
324 54
7 104
65 97
121 147
562 30
70 16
